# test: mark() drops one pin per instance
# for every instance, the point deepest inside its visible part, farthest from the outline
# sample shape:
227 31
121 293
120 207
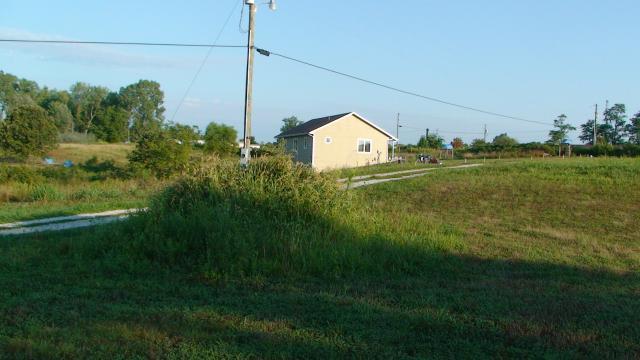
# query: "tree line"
112 116
34 118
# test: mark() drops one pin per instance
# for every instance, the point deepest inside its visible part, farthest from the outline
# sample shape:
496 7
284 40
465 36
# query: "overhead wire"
392 88
204 61
78 42
268 53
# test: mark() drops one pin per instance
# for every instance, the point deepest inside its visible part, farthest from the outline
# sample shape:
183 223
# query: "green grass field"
522 259
33 190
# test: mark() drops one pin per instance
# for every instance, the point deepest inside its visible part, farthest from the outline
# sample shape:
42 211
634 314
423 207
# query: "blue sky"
531 59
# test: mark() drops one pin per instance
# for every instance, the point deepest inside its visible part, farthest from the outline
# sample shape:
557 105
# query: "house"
338 141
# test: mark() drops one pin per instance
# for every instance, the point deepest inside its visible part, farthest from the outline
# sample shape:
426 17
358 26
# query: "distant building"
338 141
253 146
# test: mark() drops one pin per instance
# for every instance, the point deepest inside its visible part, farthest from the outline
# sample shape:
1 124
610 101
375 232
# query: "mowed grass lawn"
532 259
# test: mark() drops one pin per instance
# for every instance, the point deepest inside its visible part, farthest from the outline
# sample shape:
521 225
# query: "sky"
532 59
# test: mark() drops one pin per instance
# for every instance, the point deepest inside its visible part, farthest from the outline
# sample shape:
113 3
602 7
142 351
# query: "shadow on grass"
57 303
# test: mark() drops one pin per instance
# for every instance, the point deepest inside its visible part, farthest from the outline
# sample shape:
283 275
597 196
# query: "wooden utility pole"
393 150
485 133
595 127
245 154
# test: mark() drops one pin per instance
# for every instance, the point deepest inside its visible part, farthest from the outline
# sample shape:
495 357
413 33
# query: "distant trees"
144 102
633 129
61 116
290 123
504 142
27 130
86 102
586 132
220 139
614 128
559 134
457 143
478 145
433 141
184 133
157 152
89 109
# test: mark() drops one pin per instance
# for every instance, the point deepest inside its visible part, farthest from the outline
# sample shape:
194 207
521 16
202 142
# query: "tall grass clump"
273 218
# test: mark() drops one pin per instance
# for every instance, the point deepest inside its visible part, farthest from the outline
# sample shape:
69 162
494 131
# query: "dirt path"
374 179
64 222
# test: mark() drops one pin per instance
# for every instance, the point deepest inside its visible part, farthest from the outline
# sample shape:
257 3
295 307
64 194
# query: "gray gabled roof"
314 124
311 125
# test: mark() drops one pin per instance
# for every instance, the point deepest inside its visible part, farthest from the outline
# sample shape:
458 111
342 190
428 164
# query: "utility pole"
595 127
393 149
426 138
245 153
485 133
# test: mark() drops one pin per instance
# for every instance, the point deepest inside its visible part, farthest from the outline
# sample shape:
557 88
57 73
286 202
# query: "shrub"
27 131
274 218
220 139
157 152
20 174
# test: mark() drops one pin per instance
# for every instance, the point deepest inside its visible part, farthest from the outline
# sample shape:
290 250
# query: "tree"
586 132
504 142
61 116
289 123
478 145
457 143
86 102
7 90
157 152
15 92
615 124
27 131
633 129
112 122
220 139
431 142
144 101
184 133
559 134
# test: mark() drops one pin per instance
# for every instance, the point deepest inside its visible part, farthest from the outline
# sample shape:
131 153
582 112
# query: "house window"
328 140
295 144
305 144
364 145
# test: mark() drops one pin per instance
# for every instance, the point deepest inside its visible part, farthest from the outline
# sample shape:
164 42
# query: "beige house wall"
301 147
342 150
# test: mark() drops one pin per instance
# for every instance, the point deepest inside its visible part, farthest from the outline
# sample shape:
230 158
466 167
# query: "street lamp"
245 153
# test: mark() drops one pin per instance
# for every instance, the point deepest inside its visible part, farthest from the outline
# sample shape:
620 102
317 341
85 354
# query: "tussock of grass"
274 218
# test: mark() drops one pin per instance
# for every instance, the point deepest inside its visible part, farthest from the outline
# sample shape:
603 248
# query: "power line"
204 61
75 42
388 87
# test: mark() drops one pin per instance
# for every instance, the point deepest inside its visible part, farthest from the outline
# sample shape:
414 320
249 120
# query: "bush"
608 150
274 218
27 131
20 174
157 152
220 139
